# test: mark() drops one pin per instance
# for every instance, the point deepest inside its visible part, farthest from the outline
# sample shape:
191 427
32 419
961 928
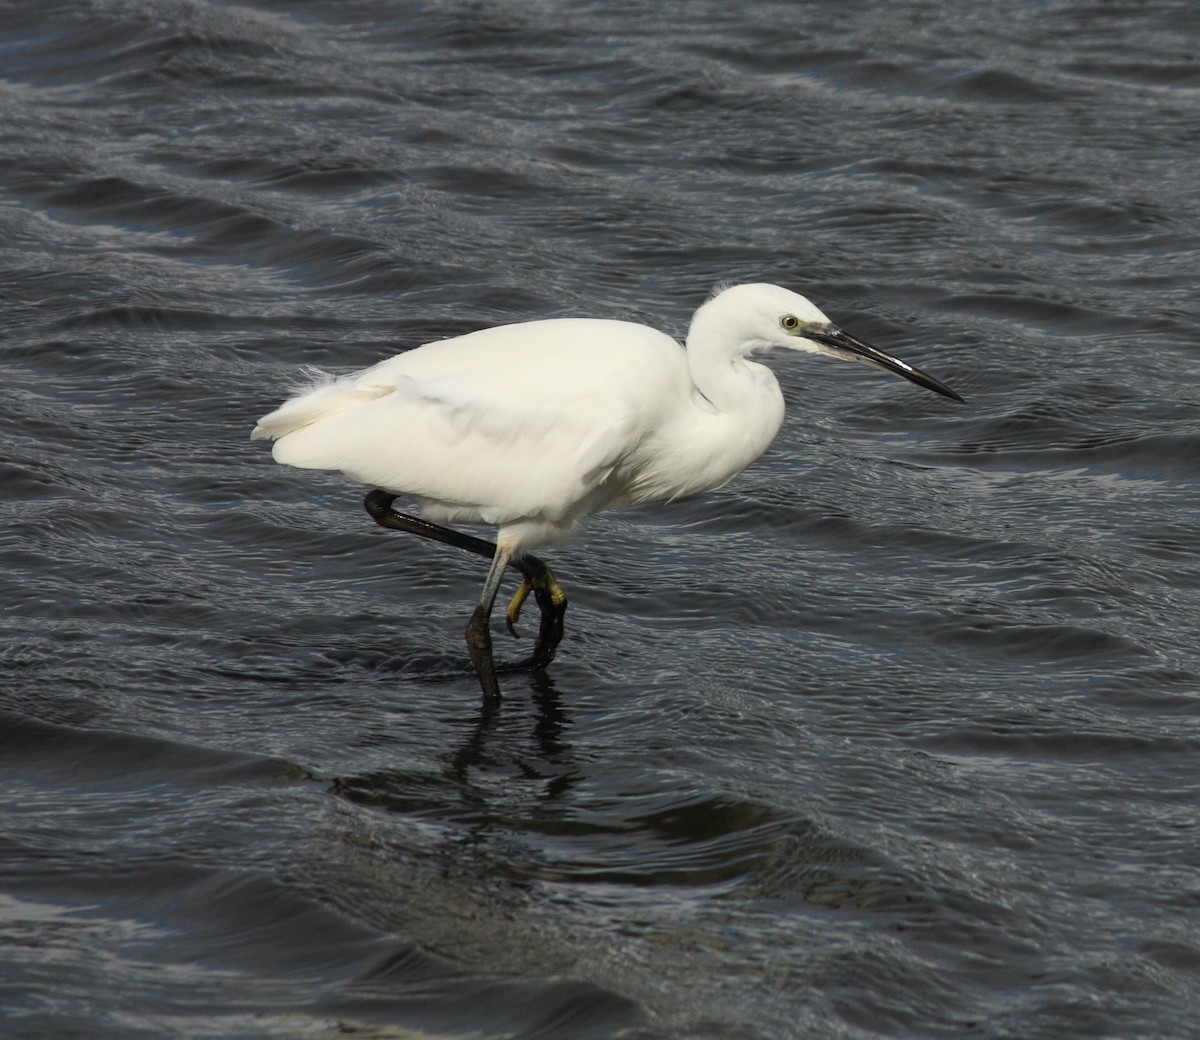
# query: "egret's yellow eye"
790 322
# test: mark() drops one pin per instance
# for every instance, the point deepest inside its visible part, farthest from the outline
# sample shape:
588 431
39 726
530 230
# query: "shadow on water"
547 850
547 815
486 742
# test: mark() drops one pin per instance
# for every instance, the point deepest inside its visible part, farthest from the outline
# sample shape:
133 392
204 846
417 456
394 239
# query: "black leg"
538 579
379 505
479 633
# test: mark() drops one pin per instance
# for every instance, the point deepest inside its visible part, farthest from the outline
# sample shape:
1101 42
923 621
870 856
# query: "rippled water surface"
894 736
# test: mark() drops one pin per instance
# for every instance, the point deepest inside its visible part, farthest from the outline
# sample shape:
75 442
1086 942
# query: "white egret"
533 427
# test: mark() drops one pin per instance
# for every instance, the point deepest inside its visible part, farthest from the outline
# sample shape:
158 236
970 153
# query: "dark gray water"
895 736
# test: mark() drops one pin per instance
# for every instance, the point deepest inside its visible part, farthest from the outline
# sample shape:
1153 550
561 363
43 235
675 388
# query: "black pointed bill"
843 345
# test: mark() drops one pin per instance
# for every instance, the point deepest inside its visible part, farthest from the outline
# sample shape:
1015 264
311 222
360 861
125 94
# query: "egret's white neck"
718 347
738 408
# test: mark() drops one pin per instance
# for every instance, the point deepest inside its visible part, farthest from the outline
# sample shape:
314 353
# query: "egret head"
765 316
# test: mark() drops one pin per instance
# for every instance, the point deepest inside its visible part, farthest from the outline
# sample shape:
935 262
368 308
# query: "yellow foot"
516 603
545 585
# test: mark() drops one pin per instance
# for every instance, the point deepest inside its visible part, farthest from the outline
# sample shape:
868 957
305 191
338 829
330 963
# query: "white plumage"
533 427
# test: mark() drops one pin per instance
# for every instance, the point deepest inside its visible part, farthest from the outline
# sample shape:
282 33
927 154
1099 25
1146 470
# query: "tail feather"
328 397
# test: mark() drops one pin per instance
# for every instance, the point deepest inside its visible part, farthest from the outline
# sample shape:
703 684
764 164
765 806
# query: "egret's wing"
458 446
514 422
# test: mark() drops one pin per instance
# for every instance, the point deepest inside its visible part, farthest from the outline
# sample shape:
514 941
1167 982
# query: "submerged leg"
538 579
479 634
